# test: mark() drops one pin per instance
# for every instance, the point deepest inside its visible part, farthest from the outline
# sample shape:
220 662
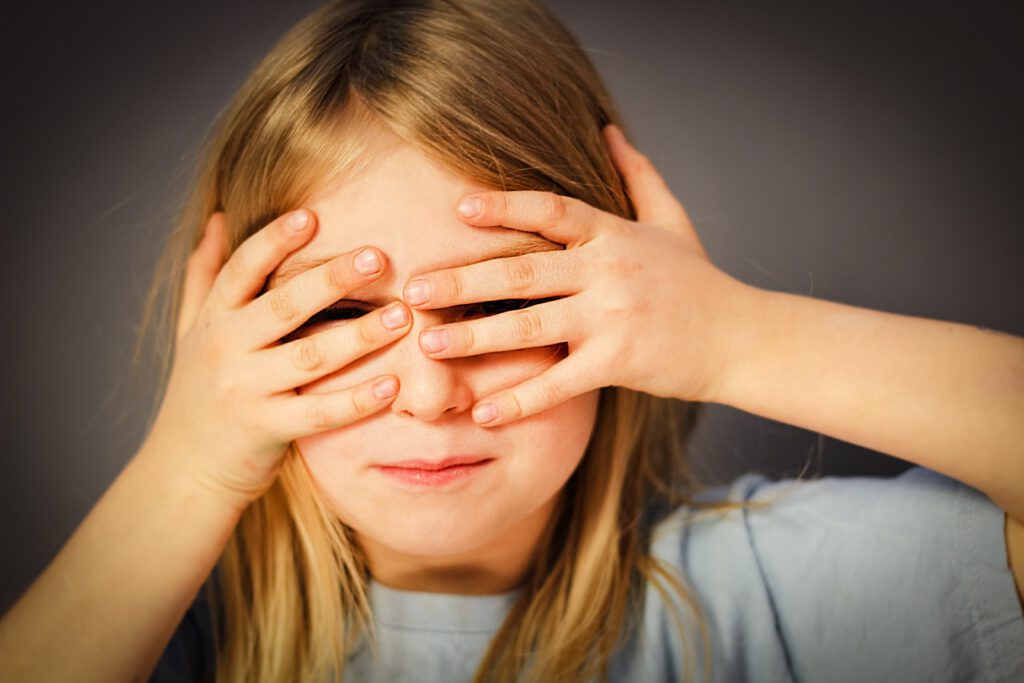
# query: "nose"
428 388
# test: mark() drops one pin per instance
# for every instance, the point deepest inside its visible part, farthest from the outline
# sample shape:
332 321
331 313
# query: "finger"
551 273
567 378
306 414
246 271
654 201
561 219
306 359
200 271
541 325
284 308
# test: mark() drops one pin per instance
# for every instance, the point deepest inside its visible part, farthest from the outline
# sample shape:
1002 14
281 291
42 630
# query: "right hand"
231 409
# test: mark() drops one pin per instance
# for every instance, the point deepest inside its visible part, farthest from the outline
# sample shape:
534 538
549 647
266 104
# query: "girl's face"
477 533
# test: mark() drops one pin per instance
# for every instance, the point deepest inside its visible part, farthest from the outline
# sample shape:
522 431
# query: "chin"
434 534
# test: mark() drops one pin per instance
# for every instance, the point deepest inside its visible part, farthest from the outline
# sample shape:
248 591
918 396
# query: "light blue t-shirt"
841 579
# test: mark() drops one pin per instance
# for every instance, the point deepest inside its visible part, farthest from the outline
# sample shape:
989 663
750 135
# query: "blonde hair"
500 92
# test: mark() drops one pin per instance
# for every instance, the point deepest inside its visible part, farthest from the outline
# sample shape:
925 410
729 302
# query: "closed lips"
432 465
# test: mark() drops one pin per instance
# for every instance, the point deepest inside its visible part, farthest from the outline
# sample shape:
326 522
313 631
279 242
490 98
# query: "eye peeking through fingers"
347 309
486 308
342 310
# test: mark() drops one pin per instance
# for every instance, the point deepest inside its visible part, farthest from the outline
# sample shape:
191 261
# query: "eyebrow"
528 243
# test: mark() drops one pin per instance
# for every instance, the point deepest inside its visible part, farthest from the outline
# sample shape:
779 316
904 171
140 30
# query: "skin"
476 536
939 394
942 395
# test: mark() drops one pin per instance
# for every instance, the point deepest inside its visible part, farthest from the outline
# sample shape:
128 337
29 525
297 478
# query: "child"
370 518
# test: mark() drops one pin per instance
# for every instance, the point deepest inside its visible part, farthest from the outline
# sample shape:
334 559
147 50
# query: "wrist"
184 481
740 336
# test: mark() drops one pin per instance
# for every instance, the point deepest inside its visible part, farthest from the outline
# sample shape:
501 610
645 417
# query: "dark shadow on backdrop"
868 154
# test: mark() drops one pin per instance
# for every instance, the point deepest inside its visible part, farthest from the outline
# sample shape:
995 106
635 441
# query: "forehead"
403 203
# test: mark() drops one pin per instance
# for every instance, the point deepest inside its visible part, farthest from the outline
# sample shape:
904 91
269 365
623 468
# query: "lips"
434 465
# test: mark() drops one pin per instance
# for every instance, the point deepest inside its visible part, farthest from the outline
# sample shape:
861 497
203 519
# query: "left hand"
648 310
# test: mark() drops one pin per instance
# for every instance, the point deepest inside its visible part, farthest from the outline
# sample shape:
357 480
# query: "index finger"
548 273
558 218
282 309
247 269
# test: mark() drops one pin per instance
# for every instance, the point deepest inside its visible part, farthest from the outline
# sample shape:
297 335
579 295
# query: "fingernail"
470 206
433 341
298 221
417 292
385 388
485 412
367 262
394 316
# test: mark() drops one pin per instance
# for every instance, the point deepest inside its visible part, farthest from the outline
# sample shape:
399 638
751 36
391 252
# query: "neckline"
440 611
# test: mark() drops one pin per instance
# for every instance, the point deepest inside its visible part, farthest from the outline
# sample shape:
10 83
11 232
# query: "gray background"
863 153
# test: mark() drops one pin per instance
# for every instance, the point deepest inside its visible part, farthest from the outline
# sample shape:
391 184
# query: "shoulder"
910 570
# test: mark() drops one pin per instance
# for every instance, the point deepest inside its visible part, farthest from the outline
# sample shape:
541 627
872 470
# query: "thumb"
652 198
655 204
201 270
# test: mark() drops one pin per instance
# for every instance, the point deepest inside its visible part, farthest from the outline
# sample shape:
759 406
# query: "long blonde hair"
500 92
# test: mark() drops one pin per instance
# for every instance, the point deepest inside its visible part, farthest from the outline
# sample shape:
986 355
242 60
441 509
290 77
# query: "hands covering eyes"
638 303
645 310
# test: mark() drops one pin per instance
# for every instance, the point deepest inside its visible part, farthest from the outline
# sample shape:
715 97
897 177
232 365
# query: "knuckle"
514 407
466 339
550 393
555 207
369 330
361 403
318 416
617 304
307 354
521 274
227 390
281 304
217 344
499 203
453 285
528 325
615 264
338 275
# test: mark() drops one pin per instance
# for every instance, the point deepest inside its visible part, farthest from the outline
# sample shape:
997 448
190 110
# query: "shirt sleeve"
189 656
871 579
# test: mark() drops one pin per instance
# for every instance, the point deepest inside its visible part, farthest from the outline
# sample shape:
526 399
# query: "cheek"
339 453
550 446
536 456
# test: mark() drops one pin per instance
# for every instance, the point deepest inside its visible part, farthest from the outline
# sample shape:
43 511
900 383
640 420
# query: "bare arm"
943 395
107 605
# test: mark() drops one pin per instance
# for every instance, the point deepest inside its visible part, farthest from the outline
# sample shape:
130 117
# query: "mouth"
435 465
417 474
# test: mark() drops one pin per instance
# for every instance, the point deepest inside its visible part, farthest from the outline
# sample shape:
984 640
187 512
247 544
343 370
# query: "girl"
441 336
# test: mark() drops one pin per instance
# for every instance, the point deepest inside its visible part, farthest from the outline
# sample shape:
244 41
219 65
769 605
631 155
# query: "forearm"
944 395
107 605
